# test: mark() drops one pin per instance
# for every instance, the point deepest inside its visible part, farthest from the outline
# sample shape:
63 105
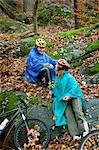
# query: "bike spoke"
91 141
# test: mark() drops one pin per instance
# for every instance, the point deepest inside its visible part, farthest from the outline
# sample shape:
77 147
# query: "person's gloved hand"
50 66
46 65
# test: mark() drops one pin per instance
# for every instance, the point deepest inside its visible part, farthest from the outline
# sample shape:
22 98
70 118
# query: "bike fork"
26 125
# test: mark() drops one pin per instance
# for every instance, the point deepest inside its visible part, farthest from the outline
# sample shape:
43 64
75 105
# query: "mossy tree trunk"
75 15
35 15
6 9
28 7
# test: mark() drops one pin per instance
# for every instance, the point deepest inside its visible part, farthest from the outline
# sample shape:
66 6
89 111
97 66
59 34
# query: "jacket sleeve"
74 90
34 64
52 61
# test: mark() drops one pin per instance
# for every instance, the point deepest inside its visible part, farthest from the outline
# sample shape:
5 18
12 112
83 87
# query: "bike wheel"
90 141
20 136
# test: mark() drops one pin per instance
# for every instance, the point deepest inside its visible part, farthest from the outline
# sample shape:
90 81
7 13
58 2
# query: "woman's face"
41 49
59 72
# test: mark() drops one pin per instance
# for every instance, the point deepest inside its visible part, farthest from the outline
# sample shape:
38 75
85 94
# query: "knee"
79 114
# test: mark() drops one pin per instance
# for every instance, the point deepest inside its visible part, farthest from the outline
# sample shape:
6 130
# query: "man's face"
41 49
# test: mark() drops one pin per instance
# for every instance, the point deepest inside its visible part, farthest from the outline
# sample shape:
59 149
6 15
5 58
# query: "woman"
68 101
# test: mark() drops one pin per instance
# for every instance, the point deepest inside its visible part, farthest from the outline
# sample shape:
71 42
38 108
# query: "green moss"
86 19
70 39
92 0
20 16
77 63
87 34
49 44
12 100
13 4
56 54
25 46
69 49
50 14
96 26
44 16
61 52
71 33
29 41
90 30
34 101
94 45
6 23
92 70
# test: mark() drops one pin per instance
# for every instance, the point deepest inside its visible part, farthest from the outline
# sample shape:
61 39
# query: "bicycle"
29 130
90 141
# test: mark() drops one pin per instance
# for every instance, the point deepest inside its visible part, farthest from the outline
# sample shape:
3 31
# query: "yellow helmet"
41 43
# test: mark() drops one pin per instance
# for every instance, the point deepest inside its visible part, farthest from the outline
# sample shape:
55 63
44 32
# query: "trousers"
45 73
76 120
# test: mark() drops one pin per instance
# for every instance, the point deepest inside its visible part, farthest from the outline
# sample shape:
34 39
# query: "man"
39 66
68 102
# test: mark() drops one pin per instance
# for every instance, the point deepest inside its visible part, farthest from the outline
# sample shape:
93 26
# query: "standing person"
39 66
68 101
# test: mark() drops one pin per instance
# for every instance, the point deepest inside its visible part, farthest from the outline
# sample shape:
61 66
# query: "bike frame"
24 122
16 111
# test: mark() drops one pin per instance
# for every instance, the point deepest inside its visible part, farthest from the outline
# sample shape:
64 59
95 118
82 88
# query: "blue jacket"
65 86
34 64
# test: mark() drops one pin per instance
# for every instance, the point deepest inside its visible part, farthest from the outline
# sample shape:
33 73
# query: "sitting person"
39 66
68 102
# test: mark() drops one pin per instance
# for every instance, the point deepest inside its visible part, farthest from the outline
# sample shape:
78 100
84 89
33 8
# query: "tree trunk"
35 9
28 7
6 9
75 11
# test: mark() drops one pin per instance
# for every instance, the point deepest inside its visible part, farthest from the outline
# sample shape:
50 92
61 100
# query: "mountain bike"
29 132
90 141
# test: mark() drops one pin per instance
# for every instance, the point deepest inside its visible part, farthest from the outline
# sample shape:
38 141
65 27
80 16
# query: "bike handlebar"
22 101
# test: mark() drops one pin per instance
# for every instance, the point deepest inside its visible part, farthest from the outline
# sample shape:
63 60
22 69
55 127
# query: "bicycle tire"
84 145
20 136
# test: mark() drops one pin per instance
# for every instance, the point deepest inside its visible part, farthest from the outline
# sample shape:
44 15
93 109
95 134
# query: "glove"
47 65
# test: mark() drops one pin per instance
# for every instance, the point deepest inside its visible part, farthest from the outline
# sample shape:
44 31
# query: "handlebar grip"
22 100
25 102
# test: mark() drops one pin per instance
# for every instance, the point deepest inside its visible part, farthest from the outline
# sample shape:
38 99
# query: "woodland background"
71 30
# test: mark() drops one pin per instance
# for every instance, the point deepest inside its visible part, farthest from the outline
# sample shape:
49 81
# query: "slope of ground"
12 76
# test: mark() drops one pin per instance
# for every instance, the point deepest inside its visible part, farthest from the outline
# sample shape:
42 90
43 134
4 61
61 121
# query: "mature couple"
68 99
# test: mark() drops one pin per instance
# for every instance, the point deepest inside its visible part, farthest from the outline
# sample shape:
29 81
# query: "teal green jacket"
65 86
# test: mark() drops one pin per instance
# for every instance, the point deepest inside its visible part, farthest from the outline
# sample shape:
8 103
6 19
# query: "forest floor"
12 77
